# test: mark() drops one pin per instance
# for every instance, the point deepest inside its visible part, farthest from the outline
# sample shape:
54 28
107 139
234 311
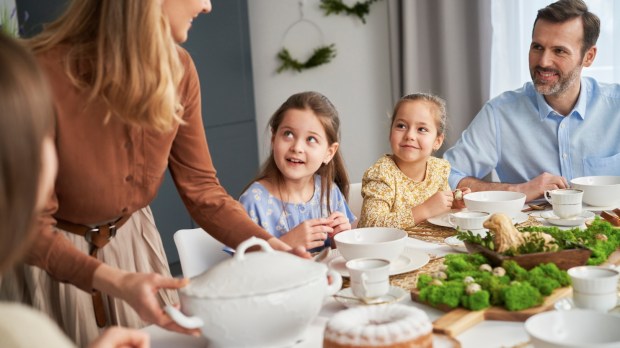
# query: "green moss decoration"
359 9
322 55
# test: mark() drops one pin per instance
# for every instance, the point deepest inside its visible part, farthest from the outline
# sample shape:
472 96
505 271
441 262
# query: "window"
512 22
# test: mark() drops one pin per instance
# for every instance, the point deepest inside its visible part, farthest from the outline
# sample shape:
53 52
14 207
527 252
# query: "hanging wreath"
322 55
359 9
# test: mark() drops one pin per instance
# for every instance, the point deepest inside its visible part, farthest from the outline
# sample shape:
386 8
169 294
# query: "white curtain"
512 22
442 47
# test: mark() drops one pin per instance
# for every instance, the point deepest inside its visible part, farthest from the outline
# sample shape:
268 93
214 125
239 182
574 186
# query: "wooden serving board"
457 320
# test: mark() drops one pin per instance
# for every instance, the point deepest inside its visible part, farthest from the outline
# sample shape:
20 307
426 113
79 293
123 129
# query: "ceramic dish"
573 329
442 220
410 260
564 259
566 304
551 218
456 244
346 297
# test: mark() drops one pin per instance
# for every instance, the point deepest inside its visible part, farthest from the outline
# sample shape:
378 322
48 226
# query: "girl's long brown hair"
121 51
332 172
25 120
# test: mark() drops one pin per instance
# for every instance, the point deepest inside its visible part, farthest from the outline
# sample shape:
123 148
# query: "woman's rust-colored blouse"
109 169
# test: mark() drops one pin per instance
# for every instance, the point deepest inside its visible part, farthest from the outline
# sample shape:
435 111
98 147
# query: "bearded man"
558 127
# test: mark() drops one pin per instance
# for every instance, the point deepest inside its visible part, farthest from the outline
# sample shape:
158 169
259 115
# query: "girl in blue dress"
300 193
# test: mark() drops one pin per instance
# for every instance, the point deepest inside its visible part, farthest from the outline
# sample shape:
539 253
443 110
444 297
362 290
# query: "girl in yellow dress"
410 185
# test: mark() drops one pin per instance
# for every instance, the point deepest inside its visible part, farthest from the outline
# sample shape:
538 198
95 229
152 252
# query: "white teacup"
370 278
468 220
564 196
566 202
595 287
567 211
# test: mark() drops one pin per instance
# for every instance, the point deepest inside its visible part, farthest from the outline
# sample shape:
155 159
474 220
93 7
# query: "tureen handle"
252 241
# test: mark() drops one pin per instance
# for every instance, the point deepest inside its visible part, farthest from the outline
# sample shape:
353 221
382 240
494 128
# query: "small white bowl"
376 242
594 279
599 191
574 328
509 203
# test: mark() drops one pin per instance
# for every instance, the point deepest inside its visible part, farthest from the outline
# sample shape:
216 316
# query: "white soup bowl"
509 203
371 242
574 328
599 191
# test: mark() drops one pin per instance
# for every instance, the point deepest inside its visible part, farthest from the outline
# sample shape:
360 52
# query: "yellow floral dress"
389 194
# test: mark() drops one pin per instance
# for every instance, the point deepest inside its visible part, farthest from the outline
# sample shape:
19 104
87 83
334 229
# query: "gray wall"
219 43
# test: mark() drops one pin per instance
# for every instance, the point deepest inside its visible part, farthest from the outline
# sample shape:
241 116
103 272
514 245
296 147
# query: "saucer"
442 219
456 244
410 260
346 297
566 304
551 218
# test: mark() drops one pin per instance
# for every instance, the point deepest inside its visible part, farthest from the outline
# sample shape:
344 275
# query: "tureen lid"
255 273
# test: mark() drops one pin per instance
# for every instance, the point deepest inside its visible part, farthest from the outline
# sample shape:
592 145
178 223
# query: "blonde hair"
441 115
25 120
122 52
332 172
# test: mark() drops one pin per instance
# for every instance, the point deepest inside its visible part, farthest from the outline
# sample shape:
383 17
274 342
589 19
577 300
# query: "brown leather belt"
97 237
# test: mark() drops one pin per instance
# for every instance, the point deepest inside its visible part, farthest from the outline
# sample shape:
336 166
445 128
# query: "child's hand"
339 222
458 202
436 204
309 234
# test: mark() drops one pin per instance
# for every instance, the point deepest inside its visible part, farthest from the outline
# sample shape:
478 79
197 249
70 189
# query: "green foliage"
449 294
518 289
521 295
359 9
321 55
600 237
470 237
476 301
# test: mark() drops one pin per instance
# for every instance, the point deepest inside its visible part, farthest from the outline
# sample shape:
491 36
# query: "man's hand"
536 187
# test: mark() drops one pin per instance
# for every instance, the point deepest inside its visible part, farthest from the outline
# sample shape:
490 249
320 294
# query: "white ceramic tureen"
257 299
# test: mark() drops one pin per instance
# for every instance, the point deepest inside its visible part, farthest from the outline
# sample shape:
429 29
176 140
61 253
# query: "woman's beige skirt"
137 247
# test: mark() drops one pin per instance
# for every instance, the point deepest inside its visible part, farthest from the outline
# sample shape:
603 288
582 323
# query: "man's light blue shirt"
520 136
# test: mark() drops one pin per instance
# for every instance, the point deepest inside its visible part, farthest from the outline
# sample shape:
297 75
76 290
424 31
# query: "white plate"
550 217
346 297
442 220
410 260
594 208
456 244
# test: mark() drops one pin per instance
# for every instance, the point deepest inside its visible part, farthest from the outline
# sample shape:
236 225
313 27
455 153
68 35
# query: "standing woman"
127 103
27 171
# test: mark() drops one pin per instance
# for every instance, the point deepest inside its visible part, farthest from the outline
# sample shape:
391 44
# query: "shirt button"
128 178
564 155
562 125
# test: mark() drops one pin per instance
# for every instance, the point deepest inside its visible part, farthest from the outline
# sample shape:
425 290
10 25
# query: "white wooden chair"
355 199
198 251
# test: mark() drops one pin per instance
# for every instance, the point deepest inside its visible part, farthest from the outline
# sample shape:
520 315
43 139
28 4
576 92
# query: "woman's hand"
117 337
309 234
139 290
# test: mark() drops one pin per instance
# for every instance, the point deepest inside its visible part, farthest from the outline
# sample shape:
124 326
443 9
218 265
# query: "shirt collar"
544 110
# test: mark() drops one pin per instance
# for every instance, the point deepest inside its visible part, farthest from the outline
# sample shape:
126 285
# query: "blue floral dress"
278 217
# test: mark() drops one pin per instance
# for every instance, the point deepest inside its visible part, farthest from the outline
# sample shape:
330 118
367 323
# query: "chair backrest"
198 251
355 198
